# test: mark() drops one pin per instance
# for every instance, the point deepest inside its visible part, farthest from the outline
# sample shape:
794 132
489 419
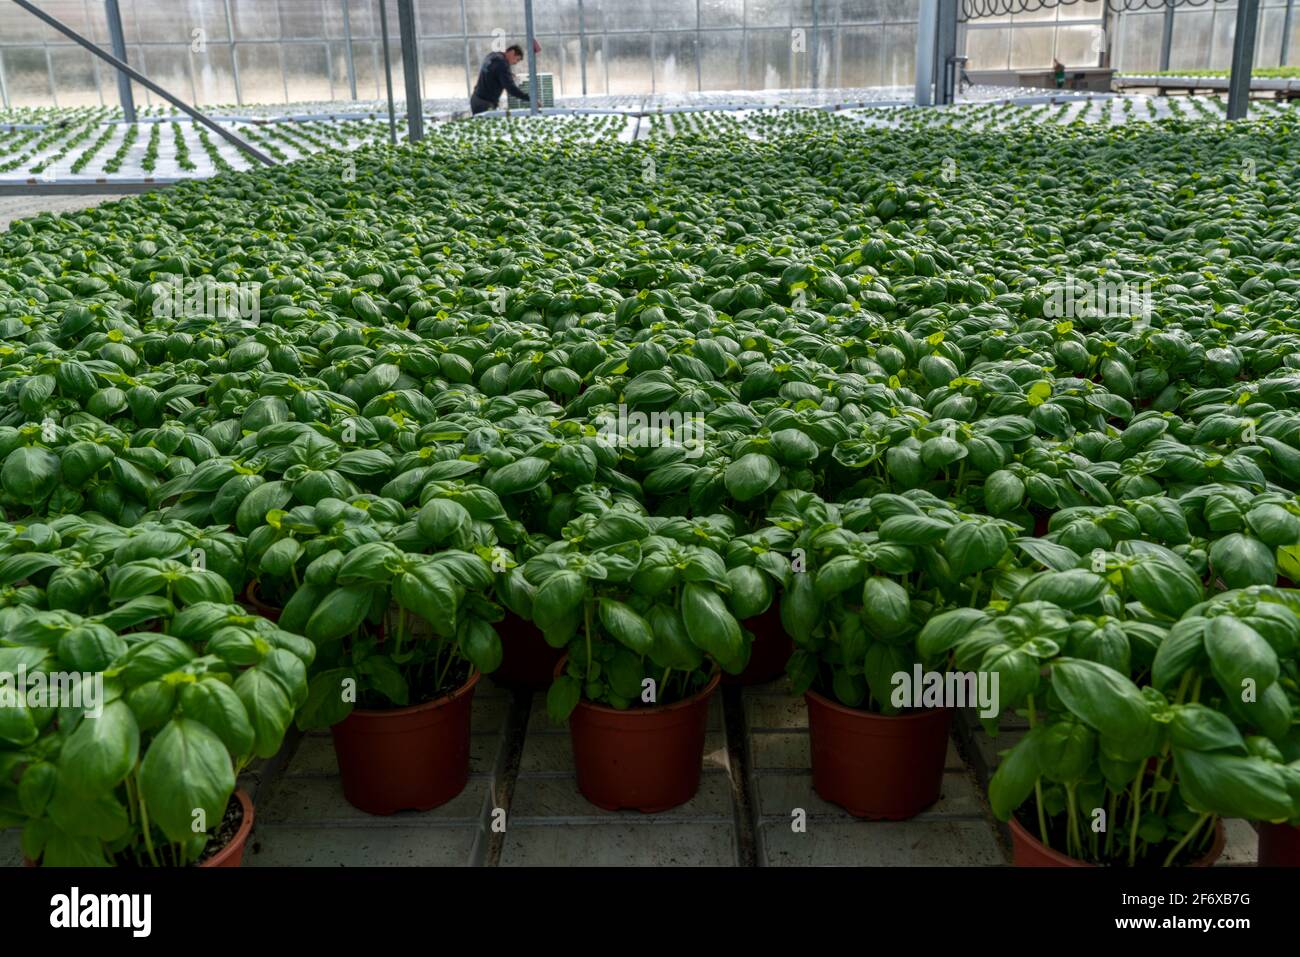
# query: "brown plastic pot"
1279 845
232 855
406 759
770 651
1029 851
254 603
643 759
877 766
527 661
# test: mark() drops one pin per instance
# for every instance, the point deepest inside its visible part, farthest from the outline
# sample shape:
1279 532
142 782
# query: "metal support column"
927 33
814 61
347 41
699 52
144 81
1167 38
388 71
534 91
945 61
1286 32
411 70
118 40
1243 59
582 42
234 53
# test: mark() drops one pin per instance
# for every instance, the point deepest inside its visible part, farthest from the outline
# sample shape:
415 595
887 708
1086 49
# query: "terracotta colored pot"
645 759
406 759
877 766
527 661
253 602
770 652
1279 845
232 855
1029 851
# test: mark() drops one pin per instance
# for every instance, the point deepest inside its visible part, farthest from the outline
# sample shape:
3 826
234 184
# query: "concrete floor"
24 207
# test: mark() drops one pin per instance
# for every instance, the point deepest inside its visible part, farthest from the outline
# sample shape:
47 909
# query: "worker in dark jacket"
493 77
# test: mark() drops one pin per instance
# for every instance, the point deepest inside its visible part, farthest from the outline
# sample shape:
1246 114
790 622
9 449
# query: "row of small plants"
617 421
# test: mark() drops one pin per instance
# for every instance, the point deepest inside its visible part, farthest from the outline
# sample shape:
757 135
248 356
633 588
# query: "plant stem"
148 838
1137 814
1186 837
1038 784
586 629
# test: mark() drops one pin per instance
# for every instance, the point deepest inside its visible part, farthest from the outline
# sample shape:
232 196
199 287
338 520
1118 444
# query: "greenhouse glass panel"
1087 10
1191 42
302 19
989 49
334 27
485 16
900 54
899 11
442 67
307 72
363 16
261 75
720 59
675 57
76 83
214 75
441 18
169 67
1077 47
1043 15
630 69
850 11
1268 40
338 63
769 59
862 61
27 76
597 73
255 19
722 13
1225 30
1140 38
769 13
556 16
19 26
1032 47
368 61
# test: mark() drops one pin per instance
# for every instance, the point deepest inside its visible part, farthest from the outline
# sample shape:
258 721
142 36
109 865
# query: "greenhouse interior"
588 433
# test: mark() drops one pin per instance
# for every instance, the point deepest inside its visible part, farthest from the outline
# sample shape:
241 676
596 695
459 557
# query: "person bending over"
493 77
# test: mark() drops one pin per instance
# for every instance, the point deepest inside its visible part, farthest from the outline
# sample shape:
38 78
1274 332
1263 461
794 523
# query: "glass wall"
283 51
1074 33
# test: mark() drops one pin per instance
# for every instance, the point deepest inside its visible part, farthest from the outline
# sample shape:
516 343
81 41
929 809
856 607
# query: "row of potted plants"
792 411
